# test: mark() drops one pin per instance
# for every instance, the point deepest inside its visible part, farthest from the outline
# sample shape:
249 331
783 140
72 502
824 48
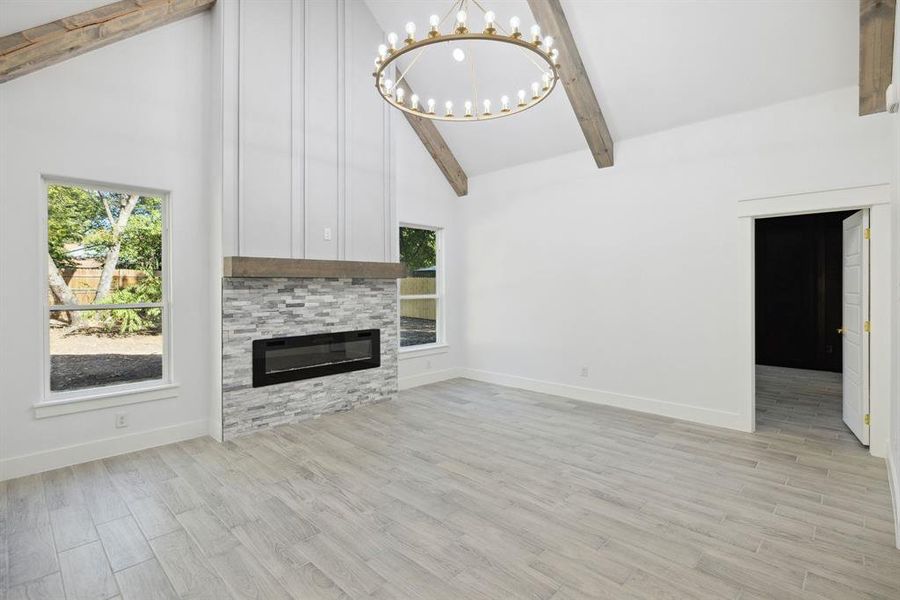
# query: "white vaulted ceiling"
656 64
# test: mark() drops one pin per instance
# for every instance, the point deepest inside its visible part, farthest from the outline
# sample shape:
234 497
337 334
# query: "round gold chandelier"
396 91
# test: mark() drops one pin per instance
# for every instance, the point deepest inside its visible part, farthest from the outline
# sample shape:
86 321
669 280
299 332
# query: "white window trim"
59 403
440 295
98 398
409 352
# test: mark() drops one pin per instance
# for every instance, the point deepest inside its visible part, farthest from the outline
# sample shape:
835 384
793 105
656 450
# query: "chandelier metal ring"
399 96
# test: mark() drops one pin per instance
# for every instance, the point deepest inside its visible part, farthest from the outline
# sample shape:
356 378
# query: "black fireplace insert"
279 360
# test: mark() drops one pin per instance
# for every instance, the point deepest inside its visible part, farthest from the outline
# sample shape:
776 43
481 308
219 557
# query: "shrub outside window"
106 290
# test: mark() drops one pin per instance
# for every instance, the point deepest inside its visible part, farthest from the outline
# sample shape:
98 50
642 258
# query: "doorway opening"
811 325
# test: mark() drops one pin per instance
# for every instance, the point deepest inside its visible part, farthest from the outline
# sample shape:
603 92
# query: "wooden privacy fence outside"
83 282
421 308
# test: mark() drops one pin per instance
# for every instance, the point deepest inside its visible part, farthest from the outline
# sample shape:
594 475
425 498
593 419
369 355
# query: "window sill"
95 400
410 352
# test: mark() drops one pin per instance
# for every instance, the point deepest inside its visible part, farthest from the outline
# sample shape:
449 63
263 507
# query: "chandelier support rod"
409 68
476 109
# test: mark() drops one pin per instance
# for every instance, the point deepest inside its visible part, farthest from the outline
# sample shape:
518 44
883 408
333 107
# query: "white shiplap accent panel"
343 131
298 127
265 115
368 220
322 140
229 23
306 140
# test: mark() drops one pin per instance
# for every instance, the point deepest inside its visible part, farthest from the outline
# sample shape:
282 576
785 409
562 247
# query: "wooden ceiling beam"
27 51
550 16
876 53
438 149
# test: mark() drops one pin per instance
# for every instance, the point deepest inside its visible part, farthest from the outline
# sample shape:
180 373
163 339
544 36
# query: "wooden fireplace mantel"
250 266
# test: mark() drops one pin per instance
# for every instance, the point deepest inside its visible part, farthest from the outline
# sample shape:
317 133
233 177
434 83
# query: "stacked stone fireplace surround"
267 307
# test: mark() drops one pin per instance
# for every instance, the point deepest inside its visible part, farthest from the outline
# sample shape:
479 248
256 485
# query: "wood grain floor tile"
86 573
145 581
124 543
45 588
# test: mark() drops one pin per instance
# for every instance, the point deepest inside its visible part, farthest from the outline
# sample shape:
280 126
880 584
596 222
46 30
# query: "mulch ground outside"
414 332
83 359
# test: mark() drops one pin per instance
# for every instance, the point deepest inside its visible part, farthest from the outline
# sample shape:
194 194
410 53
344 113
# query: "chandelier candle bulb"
388 85
449 106
382 51
504 103
434 21
546 78
514 26
536 34
535 90
548 41
461 22
521 97
410 33
487 107
431 106
400 93
468 108
489 18
392 40
414 102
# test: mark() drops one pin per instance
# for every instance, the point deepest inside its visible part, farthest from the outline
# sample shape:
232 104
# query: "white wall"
135 114
635 271
894 456
306 137
425 198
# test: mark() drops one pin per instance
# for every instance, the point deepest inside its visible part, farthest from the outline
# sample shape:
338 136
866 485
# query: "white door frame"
877 198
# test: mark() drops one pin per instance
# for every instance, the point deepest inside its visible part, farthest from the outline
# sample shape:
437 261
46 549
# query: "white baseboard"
893 467
29 464
706 416
427 377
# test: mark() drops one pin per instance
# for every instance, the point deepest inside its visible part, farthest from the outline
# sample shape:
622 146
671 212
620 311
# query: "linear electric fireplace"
278 360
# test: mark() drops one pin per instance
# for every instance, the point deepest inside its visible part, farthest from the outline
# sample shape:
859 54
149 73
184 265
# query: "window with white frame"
421 308
106 290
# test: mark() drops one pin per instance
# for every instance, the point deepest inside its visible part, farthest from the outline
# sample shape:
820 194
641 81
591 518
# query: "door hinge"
866 419
867 327
867 233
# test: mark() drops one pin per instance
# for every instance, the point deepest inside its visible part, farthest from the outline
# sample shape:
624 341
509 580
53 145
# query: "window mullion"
83 307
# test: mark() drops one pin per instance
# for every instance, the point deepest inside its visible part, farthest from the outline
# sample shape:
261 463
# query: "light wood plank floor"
467 490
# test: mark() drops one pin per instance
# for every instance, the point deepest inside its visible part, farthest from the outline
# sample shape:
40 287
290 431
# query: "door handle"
840 330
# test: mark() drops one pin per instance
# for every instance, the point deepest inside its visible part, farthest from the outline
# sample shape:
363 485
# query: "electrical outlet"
121 420
585 371
327 234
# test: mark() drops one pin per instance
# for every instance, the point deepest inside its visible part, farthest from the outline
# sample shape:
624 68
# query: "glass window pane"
418 253
107 347
417 285
418 322
104 247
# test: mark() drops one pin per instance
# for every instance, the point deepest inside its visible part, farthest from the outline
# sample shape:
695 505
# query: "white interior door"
854 327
